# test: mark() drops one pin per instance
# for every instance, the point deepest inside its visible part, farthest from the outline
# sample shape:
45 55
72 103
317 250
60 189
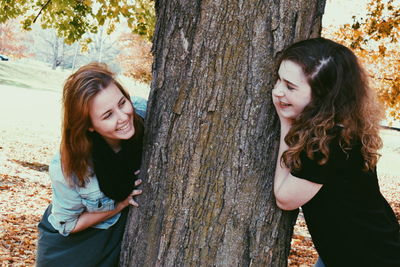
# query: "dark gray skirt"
91 247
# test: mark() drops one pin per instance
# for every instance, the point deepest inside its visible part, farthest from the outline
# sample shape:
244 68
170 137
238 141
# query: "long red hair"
76 144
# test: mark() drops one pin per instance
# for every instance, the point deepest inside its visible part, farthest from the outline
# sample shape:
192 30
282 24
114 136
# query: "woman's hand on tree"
129 200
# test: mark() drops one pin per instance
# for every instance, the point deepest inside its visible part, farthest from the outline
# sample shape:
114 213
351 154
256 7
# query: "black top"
350 222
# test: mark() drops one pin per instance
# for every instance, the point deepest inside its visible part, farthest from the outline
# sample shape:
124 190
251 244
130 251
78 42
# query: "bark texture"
212 135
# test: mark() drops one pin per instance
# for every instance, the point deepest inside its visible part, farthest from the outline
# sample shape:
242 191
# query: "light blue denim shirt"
70 201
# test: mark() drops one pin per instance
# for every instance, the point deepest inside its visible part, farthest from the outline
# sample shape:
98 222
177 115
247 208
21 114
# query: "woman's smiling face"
111 115
291 93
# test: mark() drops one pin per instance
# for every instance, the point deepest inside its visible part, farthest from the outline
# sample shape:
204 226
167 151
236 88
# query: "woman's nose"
122 115
278 91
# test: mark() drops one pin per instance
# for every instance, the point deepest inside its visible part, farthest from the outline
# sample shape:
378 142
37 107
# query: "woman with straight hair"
328 154
94 175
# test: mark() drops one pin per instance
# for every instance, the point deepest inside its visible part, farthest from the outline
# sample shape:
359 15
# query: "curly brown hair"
340 96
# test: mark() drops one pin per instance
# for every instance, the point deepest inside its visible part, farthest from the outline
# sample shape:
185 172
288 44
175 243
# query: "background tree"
88 22
102 48
375 40
211 135
50 48
135 58
12 41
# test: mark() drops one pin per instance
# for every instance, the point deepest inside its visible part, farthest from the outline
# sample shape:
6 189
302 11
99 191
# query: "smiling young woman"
94 175
111 115
328 154
291 93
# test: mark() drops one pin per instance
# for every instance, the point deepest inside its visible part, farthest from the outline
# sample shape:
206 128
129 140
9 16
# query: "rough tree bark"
211 135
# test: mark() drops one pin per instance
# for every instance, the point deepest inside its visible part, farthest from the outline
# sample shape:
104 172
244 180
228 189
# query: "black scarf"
115 171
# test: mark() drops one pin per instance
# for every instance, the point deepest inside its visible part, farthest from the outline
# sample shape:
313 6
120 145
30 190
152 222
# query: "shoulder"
140 105
55 169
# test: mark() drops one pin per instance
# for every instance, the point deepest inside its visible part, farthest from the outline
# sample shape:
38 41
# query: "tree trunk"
75 55
62 60
99 48
55 52
212 135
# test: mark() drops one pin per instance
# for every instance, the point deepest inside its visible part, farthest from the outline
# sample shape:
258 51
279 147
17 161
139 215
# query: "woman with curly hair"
328 154
94 175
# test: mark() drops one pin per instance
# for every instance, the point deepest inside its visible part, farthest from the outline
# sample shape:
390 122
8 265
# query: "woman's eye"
108 115
122 103
290 88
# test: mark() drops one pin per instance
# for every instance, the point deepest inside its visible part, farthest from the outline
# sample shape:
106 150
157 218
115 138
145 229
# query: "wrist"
120 206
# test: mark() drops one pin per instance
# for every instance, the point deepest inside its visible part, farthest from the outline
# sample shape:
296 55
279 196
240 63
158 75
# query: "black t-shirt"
350 222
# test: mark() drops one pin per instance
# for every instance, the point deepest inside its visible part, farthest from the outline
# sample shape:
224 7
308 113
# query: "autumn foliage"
12 40
136 58
374 39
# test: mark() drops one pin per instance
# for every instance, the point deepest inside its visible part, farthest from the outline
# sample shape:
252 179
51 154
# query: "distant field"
37 75
31 74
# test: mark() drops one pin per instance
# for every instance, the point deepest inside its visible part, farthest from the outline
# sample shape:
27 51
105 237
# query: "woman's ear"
91 129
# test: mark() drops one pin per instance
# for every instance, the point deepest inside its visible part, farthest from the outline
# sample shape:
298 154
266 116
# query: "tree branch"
382 78
40 11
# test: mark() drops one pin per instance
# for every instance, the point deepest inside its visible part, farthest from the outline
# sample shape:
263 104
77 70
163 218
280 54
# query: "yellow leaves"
88 3
110 28
27 23
11 9
101 20
85 44
125 10
72 18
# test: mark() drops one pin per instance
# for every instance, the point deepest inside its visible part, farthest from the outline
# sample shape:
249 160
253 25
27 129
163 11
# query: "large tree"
211 135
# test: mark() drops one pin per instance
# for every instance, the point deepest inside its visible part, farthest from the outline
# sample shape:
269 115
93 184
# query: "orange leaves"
375 41
136 58
303 252
382 50
21 202
11 40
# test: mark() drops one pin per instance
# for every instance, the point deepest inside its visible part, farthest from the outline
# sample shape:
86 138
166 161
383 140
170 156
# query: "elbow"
285 203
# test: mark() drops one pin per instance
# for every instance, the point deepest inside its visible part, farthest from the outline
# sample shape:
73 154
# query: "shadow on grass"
14 83
32 165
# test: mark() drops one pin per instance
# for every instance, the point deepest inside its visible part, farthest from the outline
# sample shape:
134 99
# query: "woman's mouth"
124 128
284 104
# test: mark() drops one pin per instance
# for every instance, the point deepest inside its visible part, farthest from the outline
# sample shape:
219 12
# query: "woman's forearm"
281 172
88 219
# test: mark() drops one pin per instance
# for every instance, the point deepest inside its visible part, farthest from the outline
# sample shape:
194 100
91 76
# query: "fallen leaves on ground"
25 192
303 253
22 204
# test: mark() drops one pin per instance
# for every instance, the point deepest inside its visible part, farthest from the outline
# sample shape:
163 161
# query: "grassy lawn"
31 74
